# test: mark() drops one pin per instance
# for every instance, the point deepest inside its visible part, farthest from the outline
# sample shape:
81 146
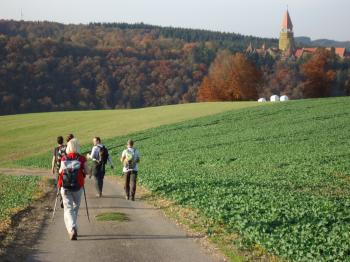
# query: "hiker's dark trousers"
130 183
98 171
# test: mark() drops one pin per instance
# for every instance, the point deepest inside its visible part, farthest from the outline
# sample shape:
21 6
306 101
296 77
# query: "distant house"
263 51
339 51
287 48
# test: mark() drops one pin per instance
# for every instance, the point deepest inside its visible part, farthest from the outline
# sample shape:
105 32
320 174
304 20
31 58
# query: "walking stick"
54 209
87 210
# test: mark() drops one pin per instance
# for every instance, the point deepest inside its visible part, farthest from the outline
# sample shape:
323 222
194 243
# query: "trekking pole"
54 209
87 210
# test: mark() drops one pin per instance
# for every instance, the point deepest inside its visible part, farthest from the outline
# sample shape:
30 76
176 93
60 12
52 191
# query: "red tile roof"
340 51
299 53
310 49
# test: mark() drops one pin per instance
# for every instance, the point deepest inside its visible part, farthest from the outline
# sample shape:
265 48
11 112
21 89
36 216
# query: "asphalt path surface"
147 236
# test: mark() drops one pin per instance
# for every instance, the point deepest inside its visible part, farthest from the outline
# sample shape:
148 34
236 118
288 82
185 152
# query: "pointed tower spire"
287 24
286 36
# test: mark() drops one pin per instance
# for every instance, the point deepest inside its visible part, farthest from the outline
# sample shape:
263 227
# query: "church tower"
286 36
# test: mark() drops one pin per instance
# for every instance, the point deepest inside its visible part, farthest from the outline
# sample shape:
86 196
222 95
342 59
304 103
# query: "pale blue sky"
314 18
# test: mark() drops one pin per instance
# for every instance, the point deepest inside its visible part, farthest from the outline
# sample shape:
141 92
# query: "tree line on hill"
46 66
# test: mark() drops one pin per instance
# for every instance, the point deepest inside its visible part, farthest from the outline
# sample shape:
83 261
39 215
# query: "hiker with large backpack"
72 173
130 159
100 157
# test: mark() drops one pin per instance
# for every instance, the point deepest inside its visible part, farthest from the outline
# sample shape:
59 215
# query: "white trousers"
71 203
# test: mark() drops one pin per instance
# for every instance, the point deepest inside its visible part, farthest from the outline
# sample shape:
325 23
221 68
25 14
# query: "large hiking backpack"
59 153
103 154
131 159
70 169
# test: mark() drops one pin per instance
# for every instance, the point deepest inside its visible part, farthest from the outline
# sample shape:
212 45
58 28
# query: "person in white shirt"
130 159
100 157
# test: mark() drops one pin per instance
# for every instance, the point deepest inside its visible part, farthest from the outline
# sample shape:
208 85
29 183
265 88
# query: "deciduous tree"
318 75
230 78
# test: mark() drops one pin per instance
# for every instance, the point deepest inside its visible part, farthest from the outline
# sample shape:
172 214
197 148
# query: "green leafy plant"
278 175
16 192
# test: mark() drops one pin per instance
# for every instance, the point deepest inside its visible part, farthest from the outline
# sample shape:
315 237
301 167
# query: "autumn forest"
46 66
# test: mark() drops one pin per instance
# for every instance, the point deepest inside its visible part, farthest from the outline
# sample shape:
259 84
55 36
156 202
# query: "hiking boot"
73 234
127 197
132 198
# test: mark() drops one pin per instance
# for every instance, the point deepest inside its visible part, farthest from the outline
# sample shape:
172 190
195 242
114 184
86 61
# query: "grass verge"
17 193
112 216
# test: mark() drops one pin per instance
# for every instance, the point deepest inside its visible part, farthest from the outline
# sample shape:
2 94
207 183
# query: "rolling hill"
31 134
322 42
276 175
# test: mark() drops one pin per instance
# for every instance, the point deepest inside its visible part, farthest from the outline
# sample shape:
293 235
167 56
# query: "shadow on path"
130 237
123 207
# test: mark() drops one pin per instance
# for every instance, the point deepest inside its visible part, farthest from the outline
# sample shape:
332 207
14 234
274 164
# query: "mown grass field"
278 175
32 134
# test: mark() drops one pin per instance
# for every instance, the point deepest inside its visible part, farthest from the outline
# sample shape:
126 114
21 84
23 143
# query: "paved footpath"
148 236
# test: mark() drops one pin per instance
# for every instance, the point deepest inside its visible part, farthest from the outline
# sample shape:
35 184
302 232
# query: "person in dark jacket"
98 165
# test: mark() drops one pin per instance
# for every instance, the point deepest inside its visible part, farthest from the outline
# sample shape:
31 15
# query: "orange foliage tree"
319 76
230 78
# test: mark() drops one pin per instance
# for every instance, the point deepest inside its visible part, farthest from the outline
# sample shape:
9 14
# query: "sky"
314 18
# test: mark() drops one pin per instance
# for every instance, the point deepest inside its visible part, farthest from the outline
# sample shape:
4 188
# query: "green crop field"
32 134
16 192
277 175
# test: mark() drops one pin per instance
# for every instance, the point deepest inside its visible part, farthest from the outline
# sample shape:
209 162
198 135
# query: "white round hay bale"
274 98
262 100
284 98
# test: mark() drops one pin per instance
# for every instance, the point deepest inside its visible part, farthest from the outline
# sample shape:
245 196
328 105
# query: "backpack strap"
135 150
102 147
74 158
